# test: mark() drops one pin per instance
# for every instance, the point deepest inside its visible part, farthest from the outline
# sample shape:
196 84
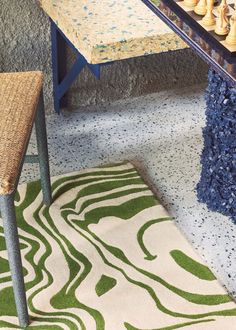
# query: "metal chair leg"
41 136
14 257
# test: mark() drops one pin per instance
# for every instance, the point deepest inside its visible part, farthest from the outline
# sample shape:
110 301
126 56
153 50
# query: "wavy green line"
171 327
125 162
194 267
6 279
4 266
105 284
35 293
122 211
71 206
35 327
125 211
151 292
9 325
64 299
97 186
102 174
32 191
191 297
141 233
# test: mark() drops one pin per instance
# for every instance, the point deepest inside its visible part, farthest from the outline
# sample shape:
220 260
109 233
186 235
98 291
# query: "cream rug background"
106 255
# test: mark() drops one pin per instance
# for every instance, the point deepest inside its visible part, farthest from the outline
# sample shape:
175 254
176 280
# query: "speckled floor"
161 135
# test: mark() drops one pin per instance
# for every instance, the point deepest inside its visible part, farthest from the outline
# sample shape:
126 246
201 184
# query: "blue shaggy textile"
217 186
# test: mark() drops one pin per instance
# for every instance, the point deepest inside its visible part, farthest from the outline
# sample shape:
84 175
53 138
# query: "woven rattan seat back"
19 95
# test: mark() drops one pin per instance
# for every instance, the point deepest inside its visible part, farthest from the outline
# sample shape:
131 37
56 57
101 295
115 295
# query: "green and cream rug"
106 255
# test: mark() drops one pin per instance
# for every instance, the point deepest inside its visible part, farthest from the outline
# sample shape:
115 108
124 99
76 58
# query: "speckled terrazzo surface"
161 135
108 30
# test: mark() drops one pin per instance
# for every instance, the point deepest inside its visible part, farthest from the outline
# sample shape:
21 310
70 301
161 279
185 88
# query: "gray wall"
25 45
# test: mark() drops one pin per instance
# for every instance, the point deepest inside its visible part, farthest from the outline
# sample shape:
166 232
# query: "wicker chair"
21 104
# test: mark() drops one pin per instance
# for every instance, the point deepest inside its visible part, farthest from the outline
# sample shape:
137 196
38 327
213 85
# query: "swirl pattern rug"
106 255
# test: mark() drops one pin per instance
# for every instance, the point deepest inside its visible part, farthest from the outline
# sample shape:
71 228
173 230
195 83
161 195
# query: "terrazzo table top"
111 30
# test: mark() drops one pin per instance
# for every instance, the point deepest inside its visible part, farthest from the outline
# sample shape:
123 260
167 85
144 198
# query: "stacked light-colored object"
222 18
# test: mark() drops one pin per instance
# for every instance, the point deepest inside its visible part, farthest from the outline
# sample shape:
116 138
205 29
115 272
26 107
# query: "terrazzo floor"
161 135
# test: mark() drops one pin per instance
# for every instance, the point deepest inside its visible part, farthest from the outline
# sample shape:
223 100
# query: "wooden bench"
102 32
21 104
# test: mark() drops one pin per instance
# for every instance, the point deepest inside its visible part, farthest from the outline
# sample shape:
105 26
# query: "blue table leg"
62 80
58 64
217 186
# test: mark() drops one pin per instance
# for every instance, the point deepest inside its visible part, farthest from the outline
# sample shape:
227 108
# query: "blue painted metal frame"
62 82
